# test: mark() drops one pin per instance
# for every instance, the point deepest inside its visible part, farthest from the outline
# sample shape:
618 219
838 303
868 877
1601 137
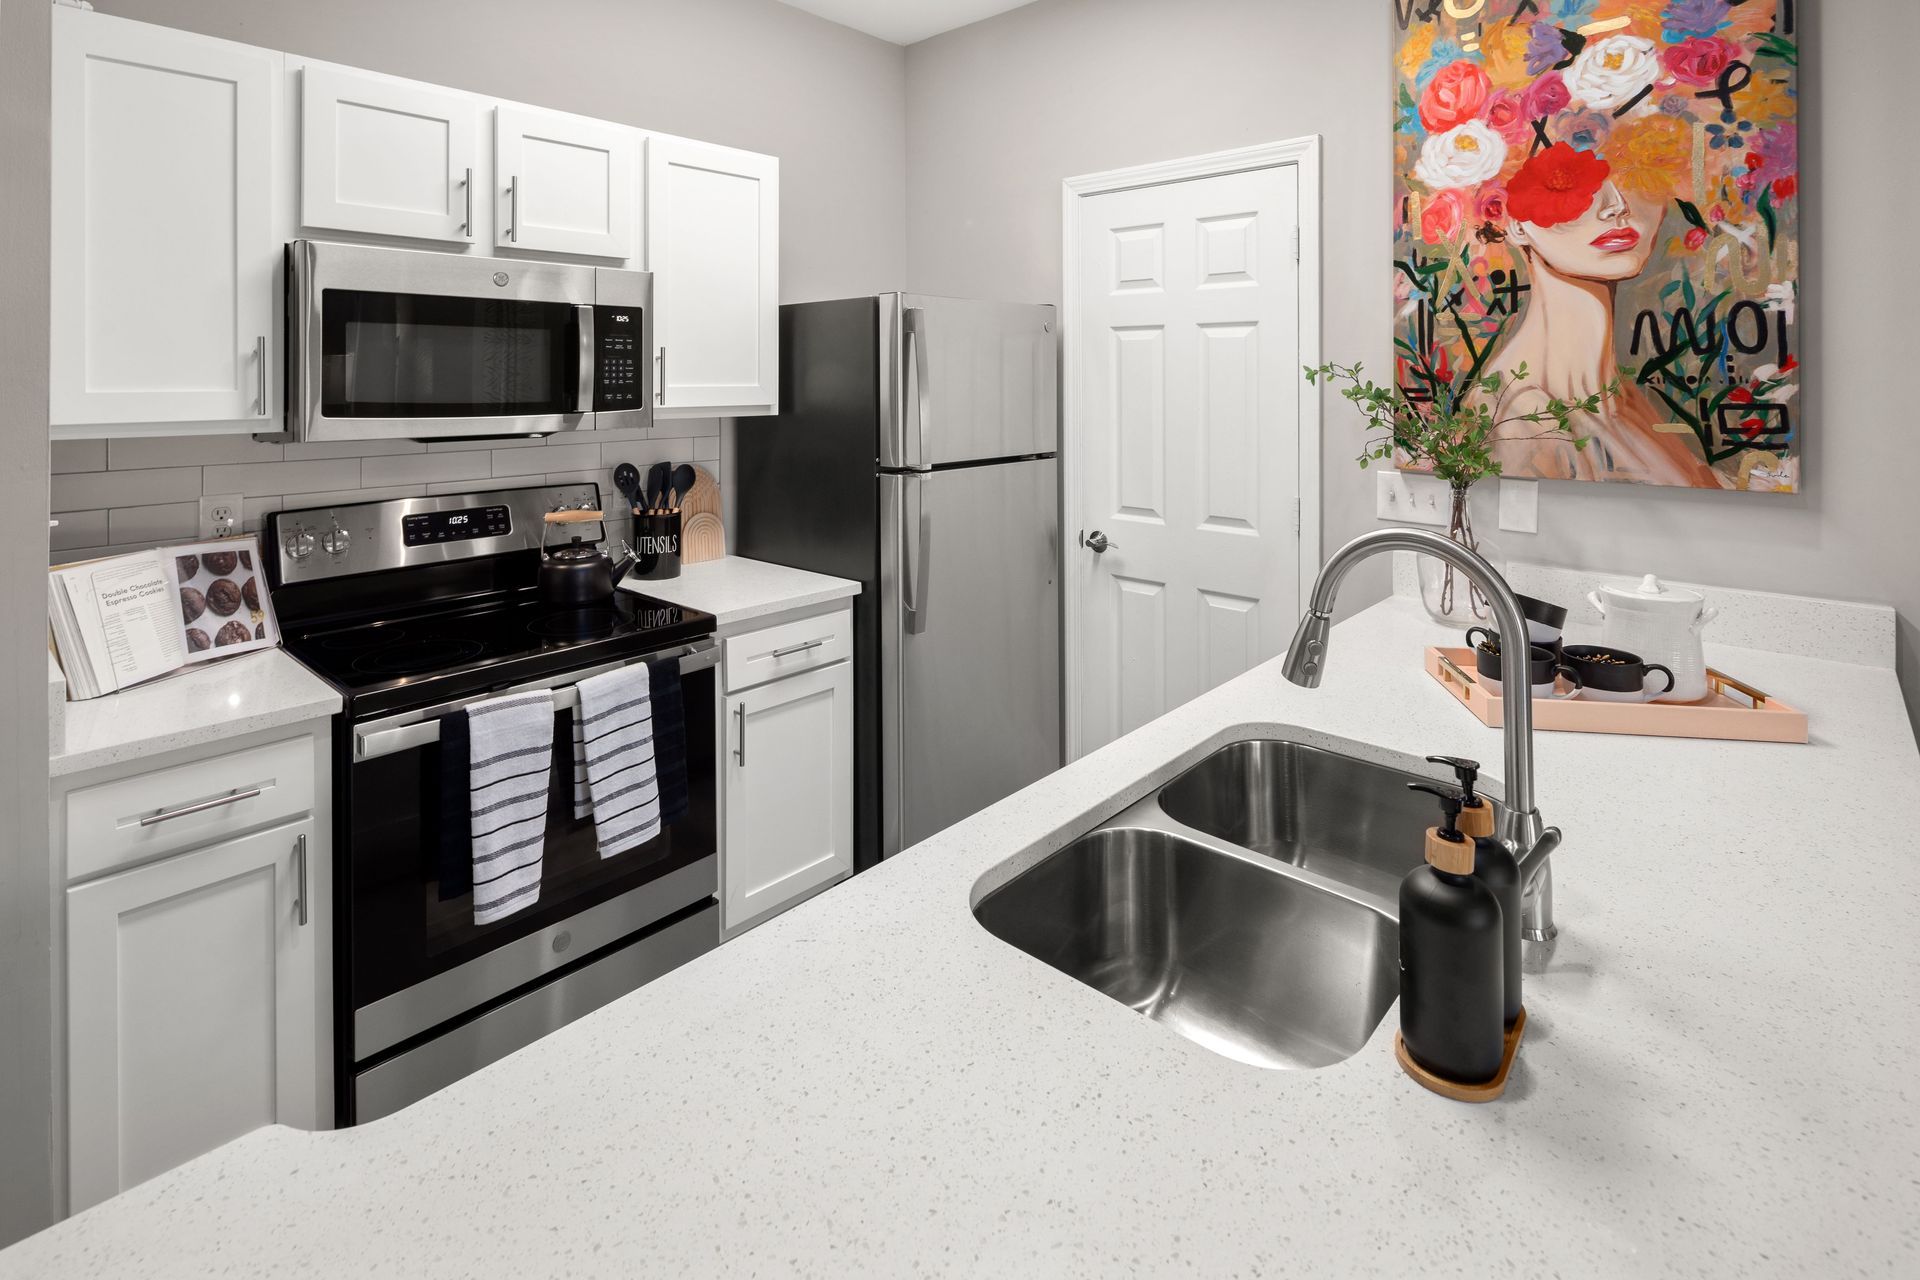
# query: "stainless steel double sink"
1249 904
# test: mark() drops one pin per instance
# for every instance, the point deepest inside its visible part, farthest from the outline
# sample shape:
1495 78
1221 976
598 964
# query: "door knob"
1097 543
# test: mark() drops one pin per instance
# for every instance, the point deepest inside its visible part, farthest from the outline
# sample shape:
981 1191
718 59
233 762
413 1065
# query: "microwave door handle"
583 380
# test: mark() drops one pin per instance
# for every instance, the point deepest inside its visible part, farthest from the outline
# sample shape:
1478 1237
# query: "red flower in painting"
1555 185
1454 96
1440 219
1699 60
1696 237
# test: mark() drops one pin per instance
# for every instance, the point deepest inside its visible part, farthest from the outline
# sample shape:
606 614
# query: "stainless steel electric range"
415 607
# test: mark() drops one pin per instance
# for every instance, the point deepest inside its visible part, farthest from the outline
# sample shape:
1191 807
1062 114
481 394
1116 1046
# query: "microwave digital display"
424 527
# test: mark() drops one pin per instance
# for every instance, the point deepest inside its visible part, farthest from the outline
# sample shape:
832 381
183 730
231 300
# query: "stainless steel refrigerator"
915 451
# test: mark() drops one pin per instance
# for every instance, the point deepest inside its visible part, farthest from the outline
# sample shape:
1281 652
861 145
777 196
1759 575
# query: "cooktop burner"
408 658
571 624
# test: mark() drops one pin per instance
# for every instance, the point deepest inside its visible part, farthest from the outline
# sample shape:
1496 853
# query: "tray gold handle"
1721 682
1448 666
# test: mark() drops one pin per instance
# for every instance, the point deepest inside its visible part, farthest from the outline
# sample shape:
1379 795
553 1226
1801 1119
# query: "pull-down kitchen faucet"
1522 831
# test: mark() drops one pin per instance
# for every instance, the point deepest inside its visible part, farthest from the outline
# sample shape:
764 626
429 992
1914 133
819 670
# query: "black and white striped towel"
510 750
614 749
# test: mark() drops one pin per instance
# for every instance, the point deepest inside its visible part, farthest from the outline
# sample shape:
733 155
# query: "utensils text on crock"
1614 675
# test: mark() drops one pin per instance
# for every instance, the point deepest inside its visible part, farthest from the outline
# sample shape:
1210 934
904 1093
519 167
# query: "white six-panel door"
387 157
164 246
1187 360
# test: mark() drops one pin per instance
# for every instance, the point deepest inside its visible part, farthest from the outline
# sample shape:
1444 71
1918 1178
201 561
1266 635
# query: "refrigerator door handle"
917 533
914 326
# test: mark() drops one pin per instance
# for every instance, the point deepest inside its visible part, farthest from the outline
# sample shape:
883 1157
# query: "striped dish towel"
615 750
510 750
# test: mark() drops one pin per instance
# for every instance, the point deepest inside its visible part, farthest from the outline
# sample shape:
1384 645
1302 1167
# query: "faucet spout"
1522 830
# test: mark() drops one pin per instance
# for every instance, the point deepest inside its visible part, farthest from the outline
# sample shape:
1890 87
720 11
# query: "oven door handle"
583 379
418 728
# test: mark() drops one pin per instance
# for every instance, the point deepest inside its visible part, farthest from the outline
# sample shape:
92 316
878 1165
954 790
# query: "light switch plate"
1520 506
1409 497
220 515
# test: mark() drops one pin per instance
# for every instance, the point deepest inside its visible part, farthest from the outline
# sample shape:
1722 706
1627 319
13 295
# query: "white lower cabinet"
787 792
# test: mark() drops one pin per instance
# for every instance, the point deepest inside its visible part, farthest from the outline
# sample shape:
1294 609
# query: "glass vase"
1448 595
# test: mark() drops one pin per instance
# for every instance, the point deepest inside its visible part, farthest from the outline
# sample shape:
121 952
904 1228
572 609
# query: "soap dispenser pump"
1451 961
1494 866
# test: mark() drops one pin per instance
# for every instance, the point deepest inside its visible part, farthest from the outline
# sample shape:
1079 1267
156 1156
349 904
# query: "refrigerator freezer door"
968 381
970 637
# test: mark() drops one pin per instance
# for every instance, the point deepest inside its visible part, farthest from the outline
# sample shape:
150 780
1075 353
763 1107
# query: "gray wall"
1000 112
26 1085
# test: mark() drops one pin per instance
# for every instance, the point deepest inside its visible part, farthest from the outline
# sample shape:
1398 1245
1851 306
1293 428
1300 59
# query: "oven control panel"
619 381
424 527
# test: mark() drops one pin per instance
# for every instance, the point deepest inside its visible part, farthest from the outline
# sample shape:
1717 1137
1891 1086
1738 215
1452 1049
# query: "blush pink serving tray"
1730 710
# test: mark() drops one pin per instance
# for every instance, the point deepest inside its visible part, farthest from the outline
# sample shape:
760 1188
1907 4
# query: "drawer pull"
300 860
168 814
797 648
740 735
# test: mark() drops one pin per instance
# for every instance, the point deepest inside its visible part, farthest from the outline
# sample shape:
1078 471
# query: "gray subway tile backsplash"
123 495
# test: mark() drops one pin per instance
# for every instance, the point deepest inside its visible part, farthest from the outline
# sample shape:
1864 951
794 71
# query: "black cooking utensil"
682 482
626 478
657 484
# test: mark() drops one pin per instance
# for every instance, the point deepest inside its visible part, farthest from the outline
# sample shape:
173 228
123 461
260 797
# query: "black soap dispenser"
1494 866
1450 957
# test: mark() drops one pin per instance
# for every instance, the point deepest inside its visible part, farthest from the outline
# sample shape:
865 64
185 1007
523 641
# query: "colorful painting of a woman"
1602 194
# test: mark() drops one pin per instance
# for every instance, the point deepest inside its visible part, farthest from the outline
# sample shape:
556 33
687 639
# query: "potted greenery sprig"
1456 436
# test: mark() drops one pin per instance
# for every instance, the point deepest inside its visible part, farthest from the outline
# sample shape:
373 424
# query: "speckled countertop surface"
1717 1076
736 590
216 700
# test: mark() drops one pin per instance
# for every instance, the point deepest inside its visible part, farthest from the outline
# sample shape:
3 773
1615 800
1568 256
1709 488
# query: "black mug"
1545 621
1543 664
1614 675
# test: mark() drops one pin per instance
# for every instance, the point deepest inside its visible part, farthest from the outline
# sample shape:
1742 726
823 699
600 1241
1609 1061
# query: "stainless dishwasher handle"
466 228
792 649
168 815
300 877
260 369
740 733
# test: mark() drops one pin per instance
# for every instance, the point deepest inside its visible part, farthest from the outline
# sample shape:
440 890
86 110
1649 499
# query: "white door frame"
1304 154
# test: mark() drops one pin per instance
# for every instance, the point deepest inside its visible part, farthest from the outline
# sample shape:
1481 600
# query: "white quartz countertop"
1717 1077
212 701
735 590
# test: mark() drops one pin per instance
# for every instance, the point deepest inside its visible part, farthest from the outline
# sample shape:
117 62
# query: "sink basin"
1342 818
1223 948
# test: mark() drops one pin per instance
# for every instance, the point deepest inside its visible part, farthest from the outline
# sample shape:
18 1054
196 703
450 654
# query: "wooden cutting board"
702 535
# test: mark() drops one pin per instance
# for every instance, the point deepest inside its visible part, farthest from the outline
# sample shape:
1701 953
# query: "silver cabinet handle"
300 877
797 648
583 381
513 208
466 228
1098 543
660 383
740 733
168 815
260 369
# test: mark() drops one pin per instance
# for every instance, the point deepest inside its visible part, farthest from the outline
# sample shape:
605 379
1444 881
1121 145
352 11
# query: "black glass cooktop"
431 656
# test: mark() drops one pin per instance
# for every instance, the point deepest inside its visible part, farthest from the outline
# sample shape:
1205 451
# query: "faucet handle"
1467 771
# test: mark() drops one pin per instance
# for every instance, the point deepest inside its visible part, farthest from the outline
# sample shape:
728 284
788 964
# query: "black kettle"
579 575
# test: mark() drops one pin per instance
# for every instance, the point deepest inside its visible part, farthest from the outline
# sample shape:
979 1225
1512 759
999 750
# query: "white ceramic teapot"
1659 624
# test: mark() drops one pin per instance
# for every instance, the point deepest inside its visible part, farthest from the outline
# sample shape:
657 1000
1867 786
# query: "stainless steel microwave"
414 345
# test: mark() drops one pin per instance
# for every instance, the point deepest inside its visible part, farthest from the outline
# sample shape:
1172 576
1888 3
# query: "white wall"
1001 111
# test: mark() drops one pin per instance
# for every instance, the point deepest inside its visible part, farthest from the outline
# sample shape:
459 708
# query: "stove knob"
300 545
334 541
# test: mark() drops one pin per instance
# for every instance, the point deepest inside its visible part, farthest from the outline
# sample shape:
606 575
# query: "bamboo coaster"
1465 1092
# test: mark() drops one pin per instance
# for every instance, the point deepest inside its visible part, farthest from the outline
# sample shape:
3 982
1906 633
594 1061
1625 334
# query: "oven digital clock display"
453 526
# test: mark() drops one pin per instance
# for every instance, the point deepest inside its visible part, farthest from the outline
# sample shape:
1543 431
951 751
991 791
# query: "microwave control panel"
617 383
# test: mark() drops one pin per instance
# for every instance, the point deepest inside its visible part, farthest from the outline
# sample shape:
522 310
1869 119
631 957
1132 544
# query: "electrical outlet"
1520 506
220 515
1409 497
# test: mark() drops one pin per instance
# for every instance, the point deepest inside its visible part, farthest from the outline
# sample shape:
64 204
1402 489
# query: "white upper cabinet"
713 242
564 184
387 157
164 248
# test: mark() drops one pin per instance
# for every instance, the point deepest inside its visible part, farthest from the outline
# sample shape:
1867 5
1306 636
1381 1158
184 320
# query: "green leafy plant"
1455 435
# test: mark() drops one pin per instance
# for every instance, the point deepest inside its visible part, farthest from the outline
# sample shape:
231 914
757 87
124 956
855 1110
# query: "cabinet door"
788 819
565 184
386 157
163 247
713 239
191 1007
